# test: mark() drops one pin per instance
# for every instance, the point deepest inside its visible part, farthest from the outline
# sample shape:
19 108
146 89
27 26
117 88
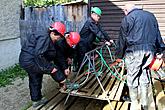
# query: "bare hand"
159 56
69 60
109 43
118 60
67 71
54 70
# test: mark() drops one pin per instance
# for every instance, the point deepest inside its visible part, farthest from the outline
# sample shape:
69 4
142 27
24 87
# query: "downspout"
89 7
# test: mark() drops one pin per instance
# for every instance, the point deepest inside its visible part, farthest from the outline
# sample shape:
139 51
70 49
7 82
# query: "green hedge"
44 2
8 75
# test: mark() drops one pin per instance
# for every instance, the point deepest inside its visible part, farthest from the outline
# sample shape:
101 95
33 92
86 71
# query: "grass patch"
8 75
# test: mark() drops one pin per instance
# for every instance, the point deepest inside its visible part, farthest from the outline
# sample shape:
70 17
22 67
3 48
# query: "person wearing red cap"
37 54
66 51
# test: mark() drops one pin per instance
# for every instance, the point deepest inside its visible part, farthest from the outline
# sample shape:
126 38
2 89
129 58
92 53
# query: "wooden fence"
39 3
38 19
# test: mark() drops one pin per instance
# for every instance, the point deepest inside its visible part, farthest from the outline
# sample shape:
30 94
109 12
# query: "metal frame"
91 66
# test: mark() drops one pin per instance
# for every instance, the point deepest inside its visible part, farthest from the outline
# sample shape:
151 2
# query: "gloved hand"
67 71
53 71
109 43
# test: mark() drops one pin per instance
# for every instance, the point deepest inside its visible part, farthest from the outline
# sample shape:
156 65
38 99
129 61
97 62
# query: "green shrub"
44 2
8 75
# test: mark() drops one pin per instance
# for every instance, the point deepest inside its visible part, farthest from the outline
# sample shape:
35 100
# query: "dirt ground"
17 97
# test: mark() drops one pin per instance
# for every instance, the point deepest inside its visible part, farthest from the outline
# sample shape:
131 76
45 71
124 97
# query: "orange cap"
156 64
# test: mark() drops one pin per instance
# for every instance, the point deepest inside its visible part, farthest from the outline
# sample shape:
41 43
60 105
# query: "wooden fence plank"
80 104
54 102
39 19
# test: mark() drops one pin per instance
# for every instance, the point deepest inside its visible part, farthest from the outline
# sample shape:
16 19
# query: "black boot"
126 98
144 107
40 102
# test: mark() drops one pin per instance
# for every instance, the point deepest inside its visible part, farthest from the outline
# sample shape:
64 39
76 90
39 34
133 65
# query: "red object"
74 38
60 27
118 60
156 64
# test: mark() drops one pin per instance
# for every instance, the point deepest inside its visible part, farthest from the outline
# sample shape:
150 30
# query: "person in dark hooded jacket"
37 54
66 47
139 41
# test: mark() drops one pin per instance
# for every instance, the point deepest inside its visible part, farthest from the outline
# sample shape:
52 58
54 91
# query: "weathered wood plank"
95 85
113 92
95 105
91 82
119 91
117 106
80 104
108 88
160 94
54 102
49 97
99 90
69 103
83 75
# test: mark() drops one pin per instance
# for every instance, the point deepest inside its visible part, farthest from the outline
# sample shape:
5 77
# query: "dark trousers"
81 54
35 80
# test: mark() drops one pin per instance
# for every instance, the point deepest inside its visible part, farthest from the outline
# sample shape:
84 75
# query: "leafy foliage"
8 75
44 2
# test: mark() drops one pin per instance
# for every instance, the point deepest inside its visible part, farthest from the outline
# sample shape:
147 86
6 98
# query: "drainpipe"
89 7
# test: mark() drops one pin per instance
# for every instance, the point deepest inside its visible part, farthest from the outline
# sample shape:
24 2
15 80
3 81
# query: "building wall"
113 14
9 32
9 53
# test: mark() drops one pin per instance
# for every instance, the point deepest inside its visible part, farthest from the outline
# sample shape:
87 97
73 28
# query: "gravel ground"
17 97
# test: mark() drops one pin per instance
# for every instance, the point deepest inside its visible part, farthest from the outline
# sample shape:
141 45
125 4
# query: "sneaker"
39 102
144 107
126 98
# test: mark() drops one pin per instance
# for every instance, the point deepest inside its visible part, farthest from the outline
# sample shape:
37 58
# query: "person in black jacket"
36 58
139 41
66 47
90 31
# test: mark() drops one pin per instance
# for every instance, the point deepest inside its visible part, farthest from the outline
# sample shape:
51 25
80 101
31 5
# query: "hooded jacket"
38 49
64 52
90 31
139 31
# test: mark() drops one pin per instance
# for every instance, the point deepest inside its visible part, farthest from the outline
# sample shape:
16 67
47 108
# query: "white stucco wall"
9 52
9 18
9 32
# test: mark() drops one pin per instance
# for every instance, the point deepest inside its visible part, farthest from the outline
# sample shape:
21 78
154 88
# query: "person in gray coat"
139 41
